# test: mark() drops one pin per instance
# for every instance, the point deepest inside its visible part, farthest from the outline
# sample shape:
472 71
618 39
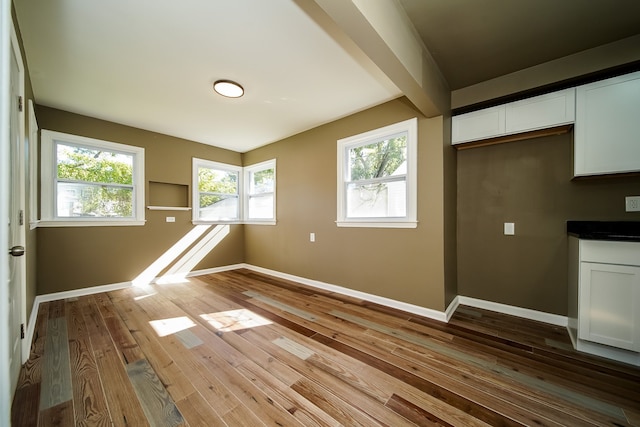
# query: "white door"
16 212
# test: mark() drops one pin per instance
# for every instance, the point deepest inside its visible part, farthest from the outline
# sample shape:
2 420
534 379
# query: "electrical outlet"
312 237
632 203
171 219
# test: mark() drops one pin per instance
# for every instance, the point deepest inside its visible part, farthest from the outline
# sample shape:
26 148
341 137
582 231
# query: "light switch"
312 237
509 228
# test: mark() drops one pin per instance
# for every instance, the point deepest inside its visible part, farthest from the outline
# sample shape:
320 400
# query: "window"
227 193
260 192
216 192
88 182
377 185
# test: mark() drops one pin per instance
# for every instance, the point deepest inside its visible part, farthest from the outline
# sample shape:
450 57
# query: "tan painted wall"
402 264
530 183
78 257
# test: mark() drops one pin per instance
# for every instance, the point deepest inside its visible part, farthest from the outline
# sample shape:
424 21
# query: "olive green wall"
403 264
78 257
530 183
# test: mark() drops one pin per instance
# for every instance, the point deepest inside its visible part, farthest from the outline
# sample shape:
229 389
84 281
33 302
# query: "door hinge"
20 106
22 331
21 217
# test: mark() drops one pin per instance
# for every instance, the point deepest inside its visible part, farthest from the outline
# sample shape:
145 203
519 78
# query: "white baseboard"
75 293
624 356
410 308
525 313
28 339
442 316
215 270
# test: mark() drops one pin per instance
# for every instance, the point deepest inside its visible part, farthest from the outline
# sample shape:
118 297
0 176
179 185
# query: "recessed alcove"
168 196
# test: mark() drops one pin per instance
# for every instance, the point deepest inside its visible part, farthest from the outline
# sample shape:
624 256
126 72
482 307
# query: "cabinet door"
540 112
609 305
478 125
607 126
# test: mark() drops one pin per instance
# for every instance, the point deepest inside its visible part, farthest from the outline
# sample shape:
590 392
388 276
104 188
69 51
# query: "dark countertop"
605 230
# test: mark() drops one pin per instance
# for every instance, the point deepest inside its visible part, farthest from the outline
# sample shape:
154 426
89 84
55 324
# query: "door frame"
5 46
21 188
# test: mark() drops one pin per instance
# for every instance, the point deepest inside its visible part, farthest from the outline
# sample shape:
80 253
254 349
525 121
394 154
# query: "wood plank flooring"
241 348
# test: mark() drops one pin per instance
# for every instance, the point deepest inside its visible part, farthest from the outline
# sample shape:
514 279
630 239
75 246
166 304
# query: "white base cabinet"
604 298
609 305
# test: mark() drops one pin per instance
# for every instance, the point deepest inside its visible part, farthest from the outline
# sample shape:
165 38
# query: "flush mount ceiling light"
228 88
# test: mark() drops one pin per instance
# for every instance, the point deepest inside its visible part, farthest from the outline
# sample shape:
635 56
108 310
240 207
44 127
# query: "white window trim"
268 164
410 220
33 167
196 193
47 181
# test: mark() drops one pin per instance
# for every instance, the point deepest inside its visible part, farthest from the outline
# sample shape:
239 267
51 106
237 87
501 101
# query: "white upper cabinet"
480 124
607 130
539 112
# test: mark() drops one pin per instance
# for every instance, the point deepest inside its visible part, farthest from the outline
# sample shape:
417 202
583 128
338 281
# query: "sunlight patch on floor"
144 296
233 320
164 327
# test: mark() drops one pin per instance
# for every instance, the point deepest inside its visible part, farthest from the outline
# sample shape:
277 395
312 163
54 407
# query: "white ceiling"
151 64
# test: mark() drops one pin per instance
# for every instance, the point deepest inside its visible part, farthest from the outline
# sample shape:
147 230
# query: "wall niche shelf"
167 196
168 208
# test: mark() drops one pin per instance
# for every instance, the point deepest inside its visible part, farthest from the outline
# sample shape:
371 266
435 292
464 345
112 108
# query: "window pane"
214 207
217 181
98 201
379 159
384 199
93 165
261 181
261 207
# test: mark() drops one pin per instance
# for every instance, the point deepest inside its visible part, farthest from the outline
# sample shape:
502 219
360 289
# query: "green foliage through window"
215 185
94 183
379 159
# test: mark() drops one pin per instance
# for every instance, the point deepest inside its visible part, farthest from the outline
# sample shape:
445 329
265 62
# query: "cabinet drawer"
608 252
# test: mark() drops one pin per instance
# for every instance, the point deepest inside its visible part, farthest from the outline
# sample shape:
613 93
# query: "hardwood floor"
240 348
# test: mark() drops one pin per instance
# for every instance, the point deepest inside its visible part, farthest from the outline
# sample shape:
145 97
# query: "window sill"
259 222
378 224
201 222
90 223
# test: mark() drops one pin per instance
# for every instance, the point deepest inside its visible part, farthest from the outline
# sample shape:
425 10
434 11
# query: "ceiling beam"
383 31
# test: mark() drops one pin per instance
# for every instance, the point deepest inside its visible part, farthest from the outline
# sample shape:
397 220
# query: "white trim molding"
64 295
525 313
75 293
410 308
